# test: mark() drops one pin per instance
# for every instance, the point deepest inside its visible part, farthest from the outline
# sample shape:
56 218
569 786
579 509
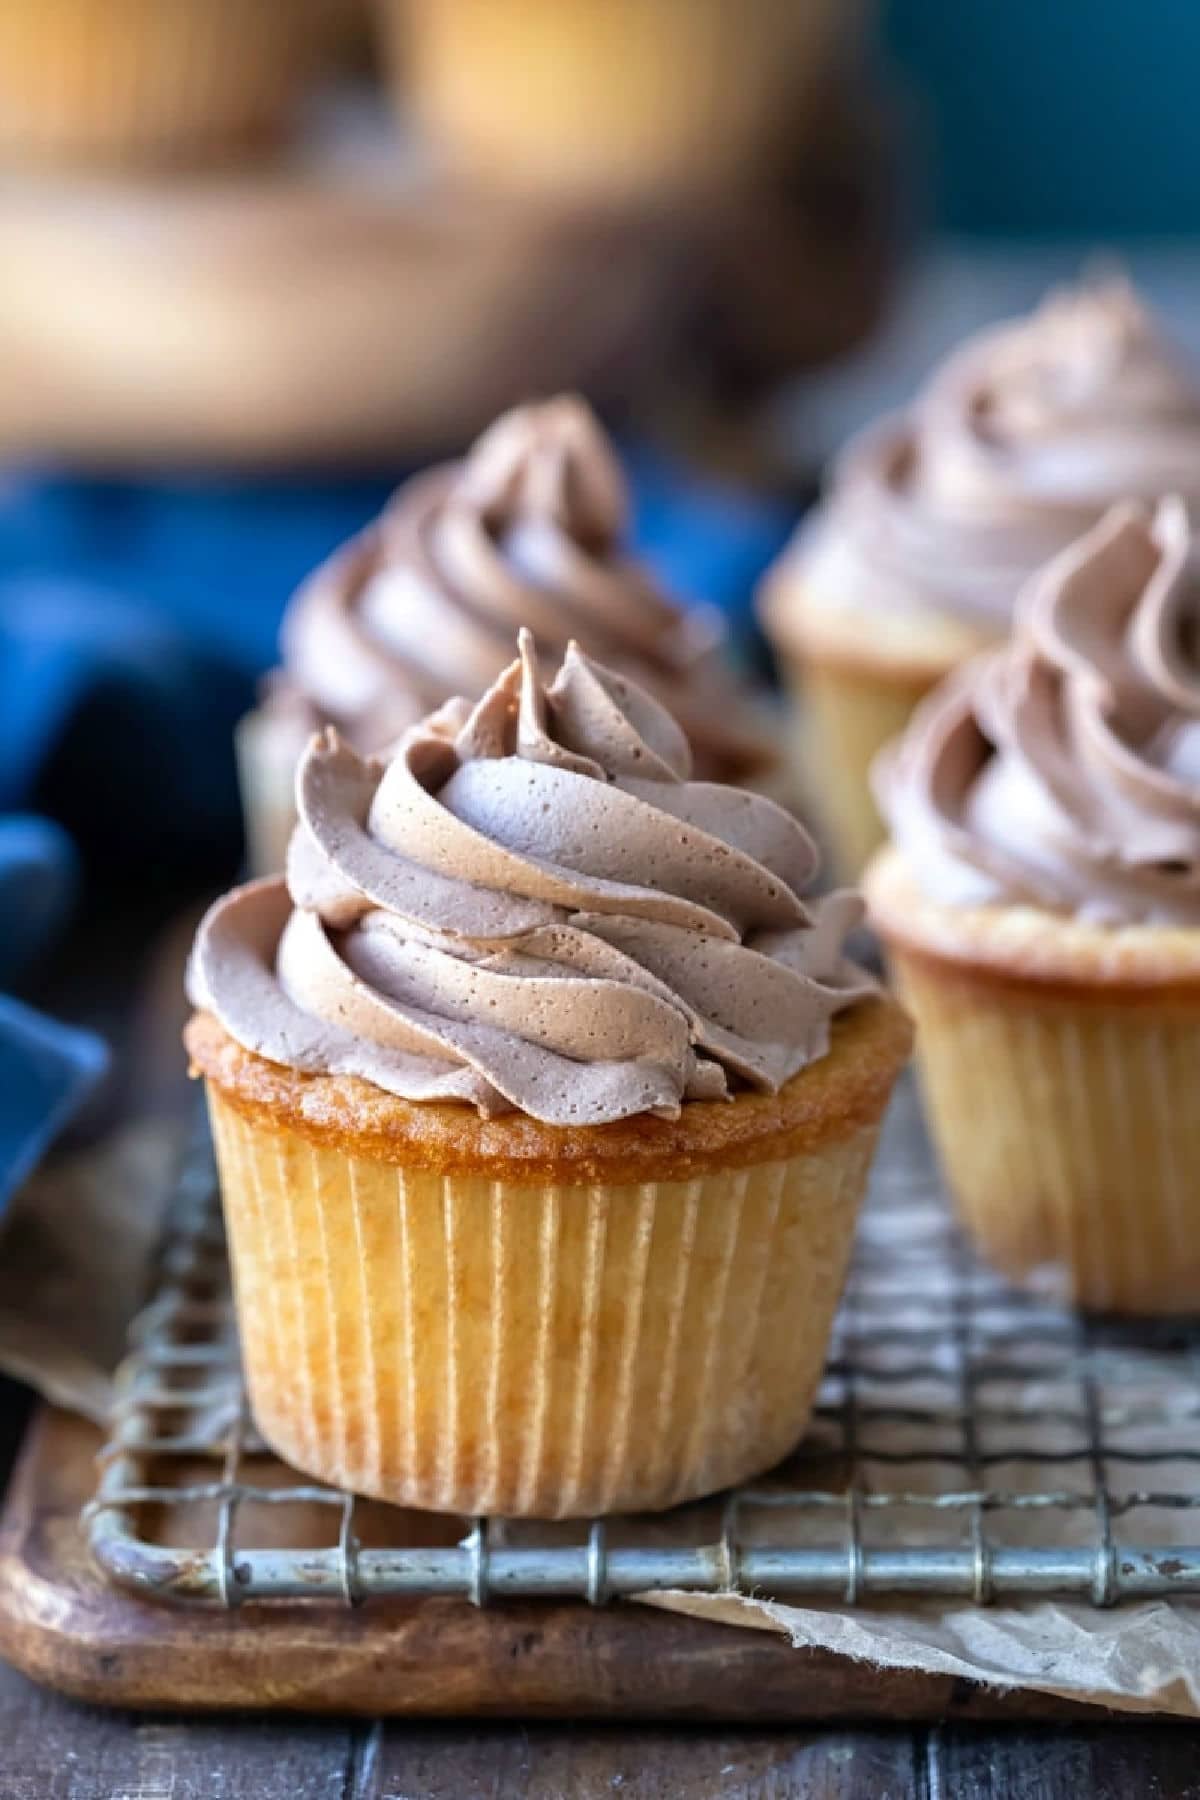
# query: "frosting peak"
1065 769
531 905
1080 405
1018 443
549 462
527 530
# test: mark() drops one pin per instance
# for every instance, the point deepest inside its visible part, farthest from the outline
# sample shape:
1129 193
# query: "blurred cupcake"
1041 907
609 97
149 81
933 521
543 1107
527 530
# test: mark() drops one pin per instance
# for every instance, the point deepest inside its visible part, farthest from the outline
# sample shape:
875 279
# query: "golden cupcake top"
1064 770
1017 444
532 905
527 530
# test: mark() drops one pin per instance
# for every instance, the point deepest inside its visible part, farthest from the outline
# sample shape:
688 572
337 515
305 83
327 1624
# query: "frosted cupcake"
1041 906
527 530
543 1105
935 519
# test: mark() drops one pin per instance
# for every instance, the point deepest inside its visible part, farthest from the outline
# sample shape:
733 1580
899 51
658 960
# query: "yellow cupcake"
501 1316
1042 914
1061 1066
605 97
854 679
543 1108
934 520
151 81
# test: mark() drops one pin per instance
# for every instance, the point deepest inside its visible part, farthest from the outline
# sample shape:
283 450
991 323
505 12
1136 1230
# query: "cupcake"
543 1105
609 98
1041 907
526 530
150 81
934 520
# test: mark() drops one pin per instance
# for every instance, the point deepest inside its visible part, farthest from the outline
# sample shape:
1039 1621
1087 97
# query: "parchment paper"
76 1254
75 1258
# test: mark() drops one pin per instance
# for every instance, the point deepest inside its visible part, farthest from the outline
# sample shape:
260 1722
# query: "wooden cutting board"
355 302
63 1624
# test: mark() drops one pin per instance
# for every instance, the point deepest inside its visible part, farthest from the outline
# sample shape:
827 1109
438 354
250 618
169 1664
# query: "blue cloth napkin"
46 1071
707 539
116 718
219 557
135 616
39 872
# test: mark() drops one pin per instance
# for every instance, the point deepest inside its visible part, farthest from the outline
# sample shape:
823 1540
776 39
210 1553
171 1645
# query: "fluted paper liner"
144 80
610 94
267 752
1069 1130
467 1345
845 714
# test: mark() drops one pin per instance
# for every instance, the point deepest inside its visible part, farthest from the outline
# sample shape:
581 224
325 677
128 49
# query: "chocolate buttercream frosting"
1064 770
1019 443
530 904
526 531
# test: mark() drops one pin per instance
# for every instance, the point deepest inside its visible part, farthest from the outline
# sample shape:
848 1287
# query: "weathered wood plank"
1159 1762
546 1763
54 1749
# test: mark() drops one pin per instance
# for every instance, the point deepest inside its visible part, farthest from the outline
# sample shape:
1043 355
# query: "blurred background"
259 261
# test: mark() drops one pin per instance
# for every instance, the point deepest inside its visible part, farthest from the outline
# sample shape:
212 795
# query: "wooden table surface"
55 1749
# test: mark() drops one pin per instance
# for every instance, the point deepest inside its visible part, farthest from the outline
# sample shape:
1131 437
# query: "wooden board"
331 316
63 1624
357 301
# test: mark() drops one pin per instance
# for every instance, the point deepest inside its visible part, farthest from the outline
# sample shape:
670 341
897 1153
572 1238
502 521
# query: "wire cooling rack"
969 1440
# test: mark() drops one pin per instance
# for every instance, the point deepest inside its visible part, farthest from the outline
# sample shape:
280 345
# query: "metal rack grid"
969 1440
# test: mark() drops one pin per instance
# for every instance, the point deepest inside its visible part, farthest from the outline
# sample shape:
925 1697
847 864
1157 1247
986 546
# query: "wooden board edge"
63 1625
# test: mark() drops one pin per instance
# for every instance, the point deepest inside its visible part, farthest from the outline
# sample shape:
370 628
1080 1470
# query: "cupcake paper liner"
149 80
845 715
609 94
1068 1126
267 750
468 1345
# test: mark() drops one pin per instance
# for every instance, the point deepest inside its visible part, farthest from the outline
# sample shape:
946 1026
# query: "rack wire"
970 1440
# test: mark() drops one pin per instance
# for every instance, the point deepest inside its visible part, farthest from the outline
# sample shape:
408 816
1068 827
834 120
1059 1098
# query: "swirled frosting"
1019 443
526 531
1065 769
532 906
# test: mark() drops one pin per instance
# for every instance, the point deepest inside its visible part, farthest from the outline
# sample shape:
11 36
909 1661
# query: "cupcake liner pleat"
1069 1130
267 751
467 1345
609 93
134 80
843 718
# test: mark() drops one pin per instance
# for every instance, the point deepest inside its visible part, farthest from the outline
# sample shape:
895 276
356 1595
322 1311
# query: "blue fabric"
219 558
134 618
118 719
708 540
46 1071
38 878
